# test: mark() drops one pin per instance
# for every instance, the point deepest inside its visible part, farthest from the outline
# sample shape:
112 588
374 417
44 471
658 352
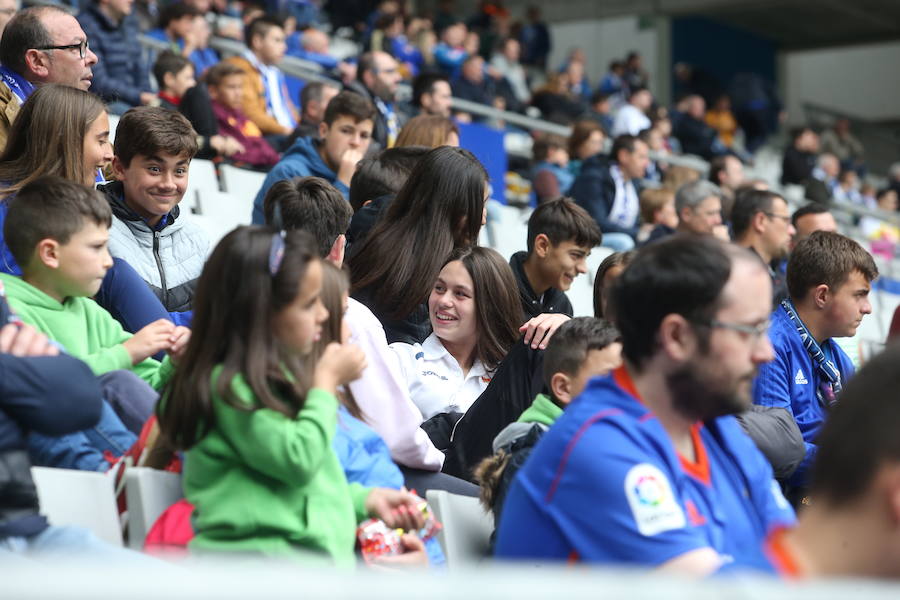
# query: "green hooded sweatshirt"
542 411
84 329
263 482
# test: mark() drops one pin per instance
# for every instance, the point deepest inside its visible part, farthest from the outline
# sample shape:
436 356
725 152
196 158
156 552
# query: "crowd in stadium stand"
356 347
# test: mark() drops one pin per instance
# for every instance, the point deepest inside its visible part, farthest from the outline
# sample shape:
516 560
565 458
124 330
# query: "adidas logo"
800 378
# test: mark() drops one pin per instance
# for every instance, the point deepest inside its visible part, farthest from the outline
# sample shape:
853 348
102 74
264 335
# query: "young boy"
582 348
225 83
658 216
561 236
152 154
174 76
551 175
57 231
345 132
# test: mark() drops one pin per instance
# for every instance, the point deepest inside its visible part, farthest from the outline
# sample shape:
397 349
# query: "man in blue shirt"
828 278
851 528
648 467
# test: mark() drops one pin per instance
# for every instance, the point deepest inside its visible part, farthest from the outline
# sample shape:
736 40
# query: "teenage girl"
257 425
475 322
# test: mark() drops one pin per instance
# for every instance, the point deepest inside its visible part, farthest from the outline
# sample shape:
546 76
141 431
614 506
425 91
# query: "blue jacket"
300 160
120 73
594 190
366 460
8 262
791 380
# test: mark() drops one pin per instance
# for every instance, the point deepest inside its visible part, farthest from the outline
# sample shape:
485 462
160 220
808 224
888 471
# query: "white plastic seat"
465 537
149 493
202 180
241 183
598 255
581 294
83 498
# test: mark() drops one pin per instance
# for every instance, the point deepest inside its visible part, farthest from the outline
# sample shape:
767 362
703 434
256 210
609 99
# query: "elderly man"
42 44
377 78
699 208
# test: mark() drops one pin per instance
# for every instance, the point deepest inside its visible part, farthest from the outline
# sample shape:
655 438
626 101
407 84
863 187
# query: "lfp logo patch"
649 490
651 500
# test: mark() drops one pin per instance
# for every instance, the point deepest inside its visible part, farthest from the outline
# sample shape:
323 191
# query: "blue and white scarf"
19 86
830 386
390 118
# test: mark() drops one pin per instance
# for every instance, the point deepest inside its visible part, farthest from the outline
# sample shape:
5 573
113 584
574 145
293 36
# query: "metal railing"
311 71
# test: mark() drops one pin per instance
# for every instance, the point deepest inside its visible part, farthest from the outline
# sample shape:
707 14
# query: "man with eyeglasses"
41 44
378 76
829 278
648 467
761 222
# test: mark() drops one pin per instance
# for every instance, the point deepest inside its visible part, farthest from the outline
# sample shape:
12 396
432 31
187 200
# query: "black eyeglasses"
82 48
774 216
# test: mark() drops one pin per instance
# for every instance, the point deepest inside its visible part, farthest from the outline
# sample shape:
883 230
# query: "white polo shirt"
436 382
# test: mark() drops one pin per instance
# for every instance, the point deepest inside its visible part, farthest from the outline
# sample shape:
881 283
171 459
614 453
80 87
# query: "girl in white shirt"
474 311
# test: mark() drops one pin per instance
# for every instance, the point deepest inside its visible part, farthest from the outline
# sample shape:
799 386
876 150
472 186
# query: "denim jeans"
74 543
620 242
83 450
130 396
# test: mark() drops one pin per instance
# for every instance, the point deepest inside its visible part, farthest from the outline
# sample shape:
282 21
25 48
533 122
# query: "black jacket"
696 137
594 190
469 438
553 301
797 166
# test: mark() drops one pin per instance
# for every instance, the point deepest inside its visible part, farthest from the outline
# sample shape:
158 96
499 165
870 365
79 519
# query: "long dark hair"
498 310
438 209
237 297
335 283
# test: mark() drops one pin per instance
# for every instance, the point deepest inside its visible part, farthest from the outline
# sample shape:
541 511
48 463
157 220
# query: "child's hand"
151 339
414 555
540 329
179 340
397 508
339 364
349 160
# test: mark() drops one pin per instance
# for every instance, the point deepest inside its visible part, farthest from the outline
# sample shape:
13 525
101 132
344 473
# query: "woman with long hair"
60 130
441 207
474 312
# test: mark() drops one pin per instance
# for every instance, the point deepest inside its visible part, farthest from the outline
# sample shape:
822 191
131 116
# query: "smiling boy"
561 235
153 151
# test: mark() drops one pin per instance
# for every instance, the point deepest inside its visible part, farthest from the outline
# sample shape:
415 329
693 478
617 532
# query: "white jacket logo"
800 378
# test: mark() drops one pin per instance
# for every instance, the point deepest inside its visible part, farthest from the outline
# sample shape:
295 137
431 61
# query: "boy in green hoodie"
57 231
582 348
